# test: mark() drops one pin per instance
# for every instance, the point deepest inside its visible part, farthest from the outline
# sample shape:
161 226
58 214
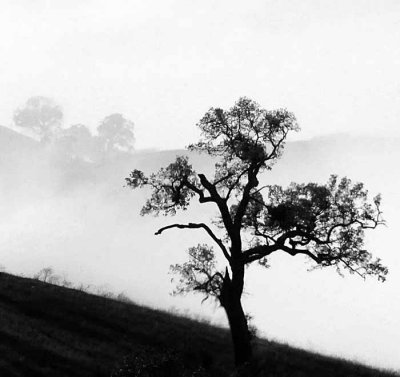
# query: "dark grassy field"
47 330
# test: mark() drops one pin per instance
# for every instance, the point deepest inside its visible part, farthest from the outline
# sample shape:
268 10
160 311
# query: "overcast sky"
336 65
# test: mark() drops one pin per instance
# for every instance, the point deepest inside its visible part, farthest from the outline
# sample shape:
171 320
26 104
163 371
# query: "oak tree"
40 115
323 222
77 142
116 132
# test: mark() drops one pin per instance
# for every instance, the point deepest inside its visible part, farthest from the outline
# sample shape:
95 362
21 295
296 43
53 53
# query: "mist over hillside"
78 217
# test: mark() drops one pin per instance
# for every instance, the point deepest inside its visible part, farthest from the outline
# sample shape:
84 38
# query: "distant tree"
77 142
323 222
47 275
40 115
116 132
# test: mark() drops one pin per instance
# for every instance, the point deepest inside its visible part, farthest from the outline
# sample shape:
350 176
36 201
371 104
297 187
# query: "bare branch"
293 252
351 268
258 252
259 190
221 203
198 226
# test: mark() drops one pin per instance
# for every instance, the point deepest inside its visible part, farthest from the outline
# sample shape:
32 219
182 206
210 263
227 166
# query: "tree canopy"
77 142
41 115
116 131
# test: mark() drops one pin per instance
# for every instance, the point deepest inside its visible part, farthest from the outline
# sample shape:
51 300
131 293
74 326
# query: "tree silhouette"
323 222
41 115
116 132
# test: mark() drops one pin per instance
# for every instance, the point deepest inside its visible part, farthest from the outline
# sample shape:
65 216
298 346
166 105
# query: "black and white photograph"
199 188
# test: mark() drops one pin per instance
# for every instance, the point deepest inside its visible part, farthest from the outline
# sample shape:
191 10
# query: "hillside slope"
47 330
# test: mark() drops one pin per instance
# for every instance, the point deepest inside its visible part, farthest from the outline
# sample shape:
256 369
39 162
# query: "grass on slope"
47 330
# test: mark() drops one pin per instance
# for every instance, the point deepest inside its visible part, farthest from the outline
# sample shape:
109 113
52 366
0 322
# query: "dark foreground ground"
47 330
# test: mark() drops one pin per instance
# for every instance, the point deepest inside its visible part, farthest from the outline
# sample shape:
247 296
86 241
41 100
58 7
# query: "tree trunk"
230 301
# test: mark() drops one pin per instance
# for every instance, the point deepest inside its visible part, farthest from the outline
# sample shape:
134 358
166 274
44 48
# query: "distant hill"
361 157
47 330
11 140
318 157
15 147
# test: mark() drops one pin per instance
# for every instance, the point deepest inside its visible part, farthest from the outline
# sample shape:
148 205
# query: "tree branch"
251 183
261 251
221 203
198 226
199 192
293 252
237 180
258 252
351 268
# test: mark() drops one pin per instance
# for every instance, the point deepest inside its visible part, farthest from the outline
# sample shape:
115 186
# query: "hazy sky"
336 65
